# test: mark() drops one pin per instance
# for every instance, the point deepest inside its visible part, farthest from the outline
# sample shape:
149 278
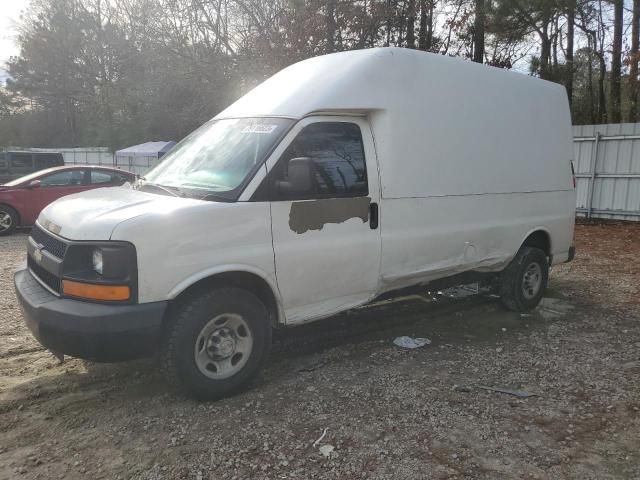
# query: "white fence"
607 166
82 156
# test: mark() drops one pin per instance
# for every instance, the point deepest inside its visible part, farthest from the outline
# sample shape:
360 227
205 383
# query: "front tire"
215 342
8 220
523 282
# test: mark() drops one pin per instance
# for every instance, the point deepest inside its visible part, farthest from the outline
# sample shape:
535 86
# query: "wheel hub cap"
5 221
223 346
531 281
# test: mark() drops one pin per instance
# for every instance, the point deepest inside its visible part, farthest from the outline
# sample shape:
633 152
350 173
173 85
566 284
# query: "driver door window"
337 162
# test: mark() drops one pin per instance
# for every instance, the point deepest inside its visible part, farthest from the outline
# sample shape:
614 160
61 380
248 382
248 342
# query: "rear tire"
523 282
215 342
8 220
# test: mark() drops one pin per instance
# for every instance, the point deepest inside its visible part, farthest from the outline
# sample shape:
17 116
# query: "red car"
22 200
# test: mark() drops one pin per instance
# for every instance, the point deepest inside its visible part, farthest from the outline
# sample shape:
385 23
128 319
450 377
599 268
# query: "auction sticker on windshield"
259 128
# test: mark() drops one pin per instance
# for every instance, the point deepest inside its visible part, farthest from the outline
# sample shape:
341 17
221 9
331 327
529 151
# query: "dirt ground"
388 413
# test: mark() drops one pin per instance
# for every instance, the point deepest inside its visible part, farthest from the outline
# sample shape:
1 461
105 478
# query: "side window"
4 166
335 154
99 178
68 178
47 160
21 162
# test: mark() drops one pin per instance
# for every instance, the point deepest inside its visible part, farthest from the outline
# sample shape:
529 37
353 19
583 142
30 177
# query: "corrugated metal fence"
607 166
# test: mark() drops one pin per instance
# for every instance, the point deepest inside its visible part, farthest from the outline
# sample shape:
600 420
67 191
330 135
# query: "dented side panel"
429 238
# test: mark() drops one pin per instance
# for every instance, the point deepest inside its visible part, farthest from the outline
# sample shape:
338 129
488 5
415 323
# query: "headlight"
96 259
100 271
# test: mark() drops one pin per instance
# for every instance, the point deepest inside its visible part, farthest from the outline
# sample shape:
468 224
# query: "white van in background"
339 179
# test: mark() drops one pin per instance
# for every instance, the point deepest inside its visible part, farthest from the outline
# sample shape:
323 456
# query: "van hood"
94 214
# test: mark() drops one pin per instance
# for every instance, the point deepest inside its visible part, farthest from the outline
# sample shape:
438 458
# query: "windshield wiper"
170 190
215 197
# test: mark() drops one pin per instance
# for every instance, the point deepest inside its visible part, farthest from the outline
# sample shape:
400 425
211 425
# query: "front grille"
48 278
49 243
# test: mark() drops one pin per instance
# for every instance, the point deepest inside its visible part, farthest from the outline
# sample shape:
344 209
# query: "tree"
523 18
478 32
633 62
571 19
411 20
616 62
425 41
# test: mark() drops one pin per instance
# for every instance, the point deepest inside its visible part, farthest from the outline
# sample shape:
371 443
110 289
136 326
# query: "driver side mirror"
300 177
34 184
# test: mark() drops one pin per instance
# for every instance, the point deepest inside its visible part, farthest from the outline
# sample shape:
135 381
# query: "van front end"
80 299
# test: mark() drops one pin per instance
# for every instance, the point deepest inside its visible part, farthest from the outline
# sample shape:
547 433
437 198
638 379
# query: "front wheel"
523 282
215 342
8 220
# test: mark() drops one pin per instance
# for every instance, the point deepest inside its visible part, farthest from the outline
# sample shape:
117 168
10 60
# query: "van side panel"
485 134
429 238
472 158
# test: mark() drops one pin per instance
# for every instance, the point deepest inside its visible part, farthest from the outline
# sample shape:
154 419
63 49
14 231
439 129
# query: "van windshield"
216 159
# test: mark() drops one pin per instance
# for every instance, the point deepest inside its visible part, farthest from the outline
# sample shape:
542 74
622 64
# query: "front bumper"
98 332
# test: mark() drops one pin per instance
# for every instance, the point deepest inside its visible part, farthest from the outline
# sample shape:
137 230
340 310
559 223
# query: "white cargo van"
340 179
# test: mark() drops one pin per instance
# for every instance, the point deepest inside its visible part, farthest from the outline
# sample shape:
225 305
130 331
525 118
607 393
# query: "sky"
9 14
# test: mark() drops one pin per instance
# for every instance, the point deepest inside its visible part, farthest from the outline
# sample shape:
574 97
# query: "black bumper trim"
103 333
572 254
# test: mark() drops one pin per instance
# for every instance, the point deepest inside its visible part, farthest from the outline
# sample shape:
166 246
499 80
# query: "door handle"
373 215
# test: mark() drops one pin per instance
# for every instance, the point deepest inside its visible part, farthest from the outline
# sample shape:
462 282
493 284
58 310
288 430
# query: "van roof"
362 81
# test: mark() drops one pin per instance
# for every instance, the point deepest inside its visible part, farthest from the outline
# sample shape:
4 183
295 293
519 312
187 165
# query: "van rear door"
326 239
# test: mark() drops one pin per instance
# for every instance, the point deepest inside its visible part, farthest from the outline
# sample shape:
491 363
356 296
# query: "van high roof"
372 79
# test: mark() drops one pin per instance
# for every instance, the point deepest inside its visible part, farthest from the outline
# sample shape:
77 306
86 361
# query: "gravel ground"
382 412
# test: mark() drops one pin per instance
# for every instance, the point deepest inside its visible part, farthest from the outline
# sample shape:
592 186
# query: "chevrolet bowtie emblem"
37 254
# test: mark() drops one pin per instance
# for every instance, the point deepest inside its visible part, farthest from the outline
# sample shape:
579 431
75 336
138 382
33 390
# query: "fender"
220 269
539 228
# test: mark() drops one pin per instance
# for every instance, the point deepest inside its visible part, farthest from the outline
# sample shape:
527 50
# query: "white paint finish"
321 272
434 114
426 238
92 215
177 249
464 160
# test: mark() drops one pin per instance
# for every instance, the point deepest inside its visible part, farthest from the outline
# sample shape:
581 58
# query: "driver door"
326 240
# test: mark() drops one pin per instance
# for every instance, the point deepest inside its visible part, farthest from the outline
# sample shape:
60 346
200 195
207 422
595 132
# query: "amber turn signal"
95 292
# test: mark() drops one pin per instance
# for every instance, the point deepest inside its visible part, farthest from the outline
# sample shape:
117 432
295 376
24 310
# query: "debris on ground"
515 393
461 388
327 451
317 442
312 366
411 343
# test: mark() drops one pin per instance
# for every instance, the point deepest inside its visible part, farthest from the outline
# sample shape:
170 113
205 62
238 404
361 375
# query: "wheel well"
245 280
539 239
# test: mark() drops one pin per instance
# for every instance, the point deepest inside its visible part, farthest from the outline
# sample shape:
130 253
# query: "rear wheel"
523 282
216 342
8 219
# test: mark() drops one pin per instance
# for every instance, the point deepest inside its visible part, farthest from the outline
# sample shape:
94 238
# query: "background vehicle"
21 200
17 164
319 191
